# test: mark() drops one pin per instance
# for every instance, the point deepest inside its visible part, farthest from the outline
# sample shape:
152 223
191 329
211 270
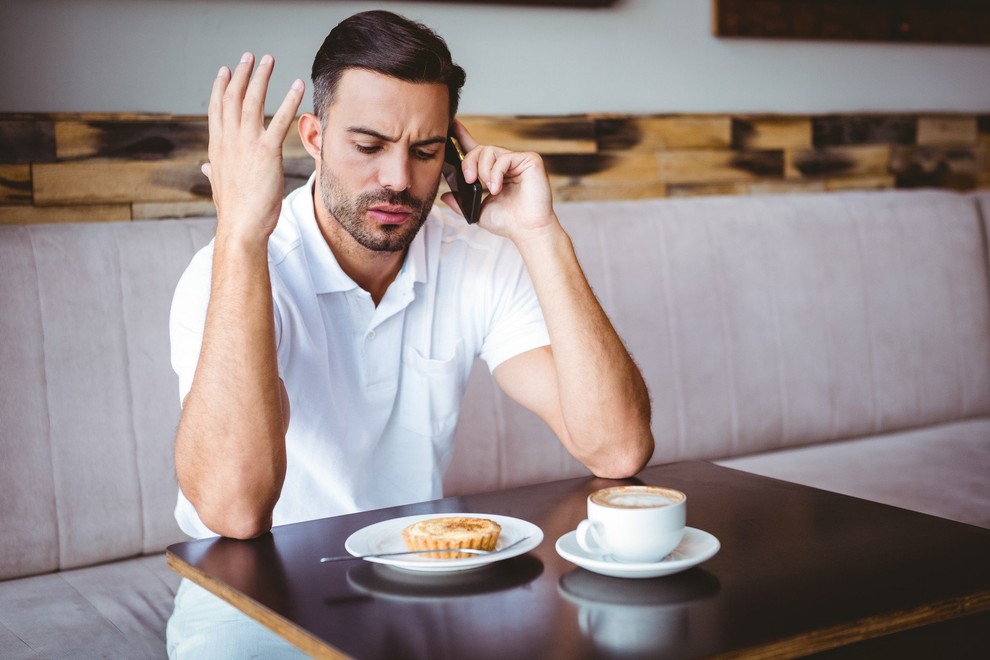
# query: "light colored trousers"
204 626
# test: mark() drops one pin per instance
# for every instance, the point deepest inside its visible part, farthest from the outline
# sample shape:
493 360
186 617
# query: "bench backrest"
758 323
767 322
88 400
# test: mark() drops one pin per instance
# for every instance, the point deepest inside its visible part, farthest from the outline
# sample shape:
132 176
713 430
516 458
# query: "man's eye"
367 149
425 155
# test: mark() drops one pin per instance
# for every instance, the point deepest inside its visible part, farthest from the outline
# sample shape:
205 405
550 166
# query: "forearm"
586 386
230 446
604 402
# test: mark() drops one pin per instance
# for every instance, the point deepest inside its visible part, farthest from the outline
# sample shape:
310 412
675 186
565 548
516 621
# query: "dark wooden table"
800 571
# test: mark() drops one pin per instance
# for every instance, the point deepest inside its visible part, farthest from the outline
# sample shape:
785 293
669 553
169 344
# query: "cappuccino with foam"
637 497
633 523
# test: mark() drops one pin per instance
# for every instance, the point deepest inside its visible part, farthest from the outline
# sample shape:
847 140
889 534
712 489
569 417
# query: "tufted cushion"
87 398
763 323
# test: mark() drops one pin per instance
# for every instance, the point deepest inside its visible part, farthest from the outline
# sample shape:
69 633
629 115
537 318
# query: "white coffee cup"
633 523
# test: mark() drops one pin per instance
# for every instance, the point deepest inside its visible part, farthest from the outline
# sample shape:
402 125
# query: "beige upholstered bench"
840 340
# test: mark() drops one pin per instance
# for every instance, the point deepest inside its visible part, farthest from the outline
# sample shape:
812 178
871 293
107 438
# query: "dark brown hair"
389 44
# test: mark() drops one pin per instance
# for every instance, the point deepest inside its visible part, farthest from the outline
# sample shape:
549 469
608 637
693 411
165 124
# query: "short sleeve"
188 317
516 324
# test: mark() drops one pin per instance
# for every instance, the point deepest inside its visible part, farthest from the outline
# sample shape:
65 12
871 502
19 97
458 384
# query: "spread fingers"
253 108
282 120
233 96
215 112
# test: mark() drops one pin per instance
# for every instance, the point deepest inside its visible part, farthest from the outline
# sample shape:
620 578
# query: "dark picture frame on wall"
906 21
590 4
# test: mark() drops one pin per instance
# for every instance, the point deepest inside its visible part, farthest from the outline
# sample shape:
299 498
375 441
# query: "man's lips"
388 214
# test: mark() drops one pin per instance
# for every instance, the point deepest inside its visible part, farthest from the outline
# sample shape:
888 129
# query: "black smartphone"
468 195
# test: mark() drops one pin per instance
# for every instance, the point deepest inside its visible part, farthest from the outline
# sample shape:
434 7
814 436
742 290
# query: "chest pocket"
430 392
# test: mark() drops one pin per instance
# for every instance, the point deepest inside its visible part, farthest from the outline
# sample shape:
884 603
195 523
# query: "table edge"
869 628
298 637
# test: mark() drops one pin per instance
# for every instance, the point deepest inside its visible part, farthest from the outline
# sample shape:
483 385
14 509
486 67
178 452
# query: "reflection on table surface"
799 571
640 618
381 581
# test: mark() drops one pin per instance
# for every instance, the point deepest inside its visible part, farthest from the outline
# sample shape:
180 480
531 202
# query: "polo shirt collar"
328 276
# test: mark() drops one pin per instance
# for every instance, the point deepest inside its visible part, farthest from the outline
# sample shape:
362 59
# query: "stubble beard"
351 213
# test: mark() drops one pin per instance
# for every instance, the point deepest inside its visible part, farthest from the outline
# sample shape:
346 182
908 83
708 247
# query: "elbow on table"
627 461
237 525
230 516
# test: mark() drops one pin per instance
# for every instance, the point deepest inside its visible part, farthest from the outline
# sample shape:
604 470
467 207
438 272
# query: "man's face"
382 151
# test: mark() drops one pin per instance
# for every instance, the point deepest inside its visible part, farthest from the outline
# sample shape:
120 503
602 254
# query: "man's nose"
395 172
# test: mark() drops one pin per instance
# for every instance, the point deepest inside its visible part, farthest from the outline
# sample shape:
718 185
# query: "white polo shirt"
374 391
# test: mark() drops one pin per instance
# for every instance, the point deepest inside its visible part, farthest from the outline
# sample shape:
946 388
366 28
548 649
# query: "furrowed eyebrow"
388 138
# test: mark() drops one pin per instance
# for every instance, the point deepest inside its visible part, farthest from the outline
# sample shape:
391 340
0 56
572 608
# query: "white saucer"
386 536
696 546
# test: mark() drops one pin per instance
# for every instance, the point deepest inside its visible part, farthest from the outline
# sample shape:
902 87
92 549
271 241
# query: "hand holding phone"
468 195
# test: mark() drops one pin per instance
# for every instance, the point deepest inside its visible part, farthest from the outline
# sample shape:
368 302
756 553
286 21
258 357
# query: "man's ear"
311 133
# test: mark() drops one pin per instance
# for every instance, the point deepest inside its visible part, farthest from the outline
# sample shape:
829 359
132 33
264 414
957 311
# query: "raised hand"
245 167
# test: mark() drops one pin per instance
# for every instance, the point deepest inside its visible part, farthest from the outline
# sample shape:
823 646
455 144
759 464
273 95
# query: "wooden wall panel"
95 182
91 167
168 210
545 135
661 133
601 169
133 140
957 168
706 166
24 215
881 182
15 184
869 161
578 192
771 133
843 130
26 140
942 131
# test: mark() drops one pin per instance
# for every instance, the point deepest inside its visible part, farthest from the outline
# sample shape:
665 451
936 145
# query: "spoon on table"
470 551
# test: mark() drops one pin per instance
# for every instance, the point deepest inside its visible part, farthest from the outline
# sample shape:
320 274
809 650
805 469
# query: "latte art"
633 523
637 497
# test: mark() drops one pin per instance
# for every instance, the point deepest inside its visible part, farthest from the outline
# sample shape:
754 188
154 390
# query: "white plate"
386 536
696 546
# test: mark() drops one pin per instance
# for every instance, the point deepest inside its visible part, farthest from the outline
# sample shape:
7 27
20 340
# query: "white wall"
640 56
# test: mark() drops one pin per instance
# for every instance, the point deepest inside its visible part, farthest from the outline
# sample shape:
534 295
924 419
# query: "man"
323 346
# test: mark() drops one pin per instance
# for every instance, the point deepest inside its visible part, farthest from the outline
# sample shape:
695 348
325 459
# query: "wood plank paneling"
149 164
660 133
583 193
602 169
940 167
167 210
771 133
843 130
24 141
719 166
833 162
15 184
545 135
705 189
885 182
24 215
131 140
787 187
947 131
101 182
